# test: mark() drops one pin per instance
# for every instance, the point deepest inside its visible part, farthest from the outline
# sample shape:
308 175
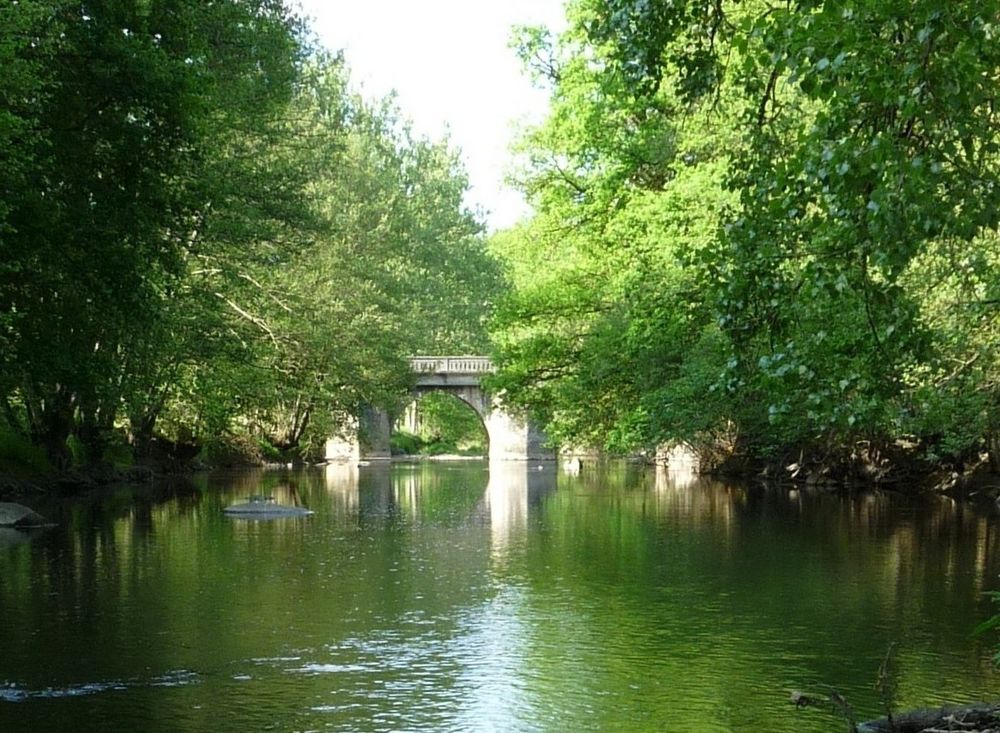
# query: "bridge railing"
451 364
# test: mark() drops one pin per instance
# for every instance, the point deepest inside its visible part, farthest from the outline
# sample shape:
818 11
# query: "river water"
450 598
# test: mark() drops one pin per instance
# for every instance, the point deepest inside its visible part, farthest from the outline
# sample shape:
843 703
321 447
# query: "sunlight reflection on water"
449 598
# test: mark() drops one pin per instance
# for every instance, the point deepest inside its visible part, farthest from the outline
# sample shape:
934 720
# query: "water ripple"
13 692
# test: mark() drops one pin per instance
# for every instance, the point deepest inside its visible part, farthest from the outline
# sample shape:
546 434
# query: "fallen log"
976 718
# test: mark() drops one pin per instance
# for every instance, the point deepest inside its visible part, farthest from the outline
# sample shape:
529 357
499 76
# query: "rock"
17 515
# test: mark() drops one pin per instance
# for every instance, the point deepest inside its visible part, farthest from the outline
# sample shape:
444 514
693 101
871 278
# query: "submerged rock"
17 515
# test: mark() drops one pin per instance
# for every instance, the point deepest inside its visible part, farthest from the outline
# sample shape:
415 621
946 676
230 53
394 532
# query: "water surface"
452 598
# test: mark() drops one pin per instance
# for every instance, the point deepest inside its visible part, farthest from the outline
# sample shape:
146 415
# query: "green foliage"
404 443
131 100
204 232
19 455
609 286
990 624
439 424
842 189
395 266
786 215
230 450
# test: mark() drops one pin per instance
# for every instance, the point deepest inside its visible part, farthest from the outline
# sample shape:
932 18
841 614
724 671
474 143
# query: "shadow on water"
507 597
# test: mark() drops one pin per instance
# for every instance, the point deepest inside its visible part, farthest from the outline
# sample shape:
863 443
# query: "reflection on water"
341 484
511 488
9 536
675 477
452 597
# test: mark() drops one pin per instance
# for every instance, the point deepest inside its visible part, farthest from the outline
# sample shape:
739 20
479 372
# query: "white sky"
451 66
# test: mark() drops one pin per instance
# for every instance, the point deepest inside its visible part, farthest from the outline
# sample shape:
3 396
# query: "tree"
108 195
609 299
860 157
386 262
895 152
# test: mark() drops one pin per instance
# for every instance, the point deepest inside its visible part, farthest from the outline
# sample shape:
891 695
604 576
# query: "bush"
405 444
440 448
231 450
19 455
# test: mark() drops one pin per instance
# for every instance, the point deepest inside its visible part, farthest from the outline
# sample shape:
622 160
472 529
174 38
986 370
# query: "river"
445 597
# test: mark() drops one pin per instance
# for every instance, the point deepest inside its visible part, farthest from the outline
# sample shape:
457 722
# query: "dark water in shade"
449 598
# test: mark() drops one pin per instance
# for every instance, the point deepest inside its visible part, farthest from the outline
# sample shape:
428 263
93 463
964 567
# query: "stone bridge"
510 438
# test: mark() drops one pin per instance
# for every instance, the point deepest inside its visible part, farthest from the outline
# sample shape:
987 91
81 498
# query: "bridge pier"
513 439
510 438
366 438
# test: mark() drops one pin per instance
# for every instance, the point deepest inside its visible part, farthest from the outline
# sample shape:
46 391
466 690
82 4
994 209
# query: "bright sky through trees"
451 65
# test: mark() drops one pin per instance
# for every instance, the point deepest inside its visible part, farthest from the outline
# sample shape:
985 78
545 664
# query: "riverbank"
899 467
24 482
978 485
18 485
420 458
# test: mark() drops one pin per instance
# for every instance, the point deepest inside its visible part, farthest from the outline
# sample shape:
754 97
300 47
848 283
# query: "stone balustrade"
451 364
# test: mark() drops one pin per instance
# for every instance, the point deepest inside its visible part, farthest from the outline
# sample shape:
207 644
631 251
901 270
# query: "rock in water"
16 515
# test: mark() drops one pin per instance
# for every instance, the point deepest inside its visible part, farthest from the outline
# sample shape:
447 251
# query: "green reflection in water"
449 597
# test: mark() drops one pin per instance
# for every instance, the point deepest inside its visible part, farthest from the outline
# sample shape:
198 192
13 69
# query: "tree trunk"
95 439
141 433
51 430
993 450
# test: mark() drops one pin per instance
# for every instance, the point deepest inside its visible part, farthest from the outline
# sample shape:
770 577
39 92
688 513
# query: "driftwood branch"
977 718
974 718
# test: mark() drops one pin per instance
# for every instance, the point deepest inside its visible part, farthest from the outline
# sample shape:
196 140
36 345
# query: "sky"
450 63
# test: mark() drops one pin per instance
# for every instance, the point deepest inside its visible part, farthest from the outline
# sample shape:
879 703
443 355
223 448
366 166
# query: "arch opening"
438 422
504 437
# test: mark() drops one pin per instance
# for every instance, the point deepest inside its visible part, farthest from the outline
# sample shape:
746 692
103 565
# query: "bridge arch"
510 437
431 409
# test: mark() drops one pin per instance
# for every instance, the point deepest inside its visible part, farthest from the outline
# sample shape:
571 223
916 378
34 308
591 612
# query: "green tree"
857 145
887 149
609 325
108 195
386 262
440 423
